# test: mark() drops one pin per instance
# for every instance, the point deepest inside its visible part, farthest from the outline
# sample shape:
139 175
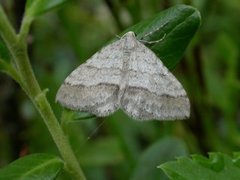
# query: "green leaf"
38 7
31 167
219 166
69 116
4 53
6 65
79 116
176 25
160 152
9 69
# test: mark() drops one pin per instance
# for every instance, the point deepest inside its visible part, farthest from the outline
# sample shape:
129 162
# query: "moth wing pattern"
94 85
153 92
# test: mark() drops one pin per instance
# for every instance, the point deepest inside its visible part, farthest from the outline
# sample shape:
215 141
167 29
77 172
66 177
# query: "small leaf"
38 7
31 167
176 27
219 166
69 116
79 116
9 69
4 53
160 152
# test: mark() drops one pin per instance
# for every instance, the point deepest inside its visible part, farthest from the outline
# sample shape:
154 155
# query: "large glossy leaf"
218 167
160 152
32 167
176 25
38 7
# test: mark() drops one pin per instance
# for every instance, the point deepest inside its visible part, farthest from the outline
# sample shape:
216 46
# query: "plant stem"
58 136
18 49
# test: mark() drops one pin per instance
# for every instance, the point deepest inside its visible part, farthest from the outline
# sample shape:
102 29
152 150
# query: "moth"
129 76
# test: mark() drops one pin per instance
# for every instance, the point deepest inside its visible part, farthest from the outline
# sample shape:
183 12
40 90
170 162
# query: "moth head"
130 40
129 34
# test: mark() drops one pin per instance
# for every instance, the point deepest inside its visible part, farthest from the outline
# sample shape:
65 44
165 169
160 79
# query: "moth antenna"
119 37
148 34
153 42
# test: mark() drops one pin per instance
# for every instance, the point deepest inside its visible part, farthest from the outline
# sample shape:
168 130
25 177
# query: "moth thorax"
129 44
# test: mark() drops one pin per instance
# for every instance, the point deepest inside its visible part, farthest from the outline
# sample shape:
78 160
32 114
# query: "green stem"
59 136
18 49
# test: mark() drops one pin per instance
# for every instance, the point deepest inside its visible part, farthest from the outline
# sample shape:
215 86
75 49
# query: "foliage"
117 147
36 7
40 166
160 152
218 166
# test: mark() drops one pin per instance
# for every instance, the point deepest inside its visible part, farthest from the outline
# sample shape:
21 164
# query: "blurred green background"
117 147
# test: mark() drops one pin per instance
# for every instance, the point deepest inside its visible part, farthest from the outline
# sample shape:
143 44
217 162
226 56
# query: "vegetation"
42 41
